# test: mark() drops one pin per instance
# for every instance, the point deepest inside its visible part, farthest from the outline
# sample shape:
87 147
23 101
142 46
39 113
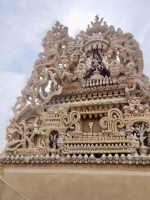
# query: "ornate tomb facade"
87 101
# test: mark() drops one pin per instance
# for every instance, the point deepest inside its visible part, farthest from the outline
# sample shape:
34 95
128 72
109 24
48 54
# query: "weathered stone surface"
81 129
86 100
75 181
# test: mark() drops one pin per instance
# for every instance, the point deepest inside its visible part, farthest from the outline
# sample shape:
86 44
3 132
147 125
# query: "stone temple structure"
86 102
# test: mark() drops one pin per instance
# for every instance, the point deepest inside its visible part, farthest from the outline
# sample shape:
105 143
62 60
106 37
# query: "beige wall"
74 182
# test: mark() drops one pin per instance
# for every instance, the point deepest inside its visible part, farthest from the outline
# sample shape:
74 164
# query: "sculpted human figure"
65 38
142 90
119 32
74 59
104 26
130 69
53 139
66 76
139 85
123 55
109 57
105 35
96 63
80 70
88 64
114 69
110 34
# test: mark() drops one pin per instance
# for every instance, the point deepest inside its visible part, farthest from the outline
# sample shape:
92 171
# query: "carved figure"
91 126
54 140
80 71
114 69
93 80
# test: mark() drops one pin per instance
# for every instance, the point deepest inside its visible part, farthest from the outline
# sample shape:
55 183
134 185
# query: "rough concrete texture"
74 181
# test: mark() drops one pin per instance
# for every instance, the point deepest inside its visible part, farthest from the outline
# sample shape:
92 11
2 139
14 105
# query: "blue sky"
23 24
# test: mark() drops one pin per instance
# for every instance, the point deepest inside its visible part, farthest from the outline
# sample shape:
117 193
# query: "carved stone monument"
87 101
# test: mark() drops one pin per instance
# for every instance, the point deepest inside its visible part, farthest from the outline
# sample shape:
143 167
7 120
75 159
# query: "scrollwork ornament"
87 100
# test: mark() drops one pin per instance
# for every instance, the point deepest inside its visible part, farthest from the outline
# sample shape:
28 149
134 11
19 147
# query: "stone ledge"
86 159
